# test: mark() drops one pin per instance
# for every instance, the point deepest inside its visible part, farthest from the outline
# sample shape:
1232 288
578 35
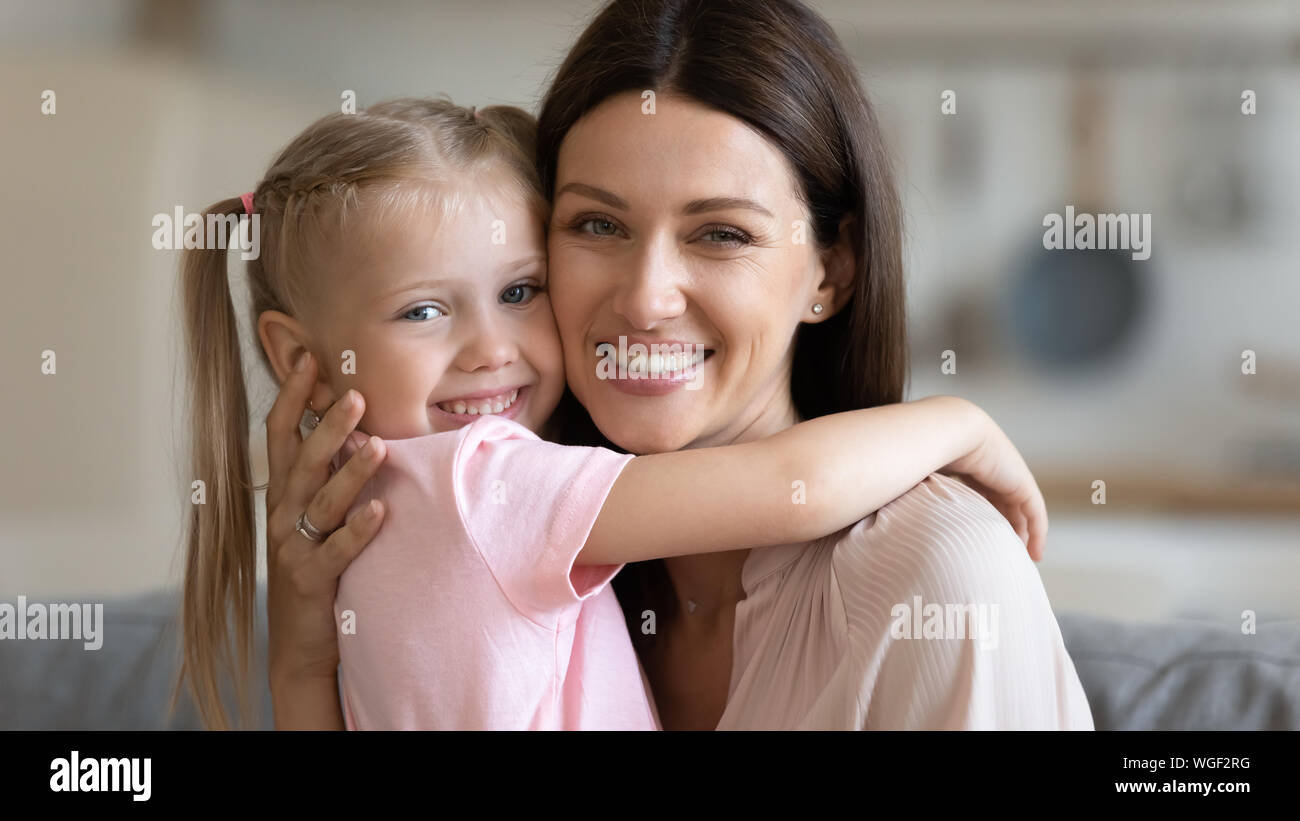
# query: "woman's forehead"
682 152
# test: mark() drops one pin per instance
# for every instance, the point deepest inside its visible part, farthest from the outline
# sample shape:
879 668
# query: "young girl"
403 249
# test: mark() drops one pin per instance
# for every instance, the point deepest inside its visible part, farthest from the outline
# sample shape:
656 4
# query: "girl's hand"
998 472
302 575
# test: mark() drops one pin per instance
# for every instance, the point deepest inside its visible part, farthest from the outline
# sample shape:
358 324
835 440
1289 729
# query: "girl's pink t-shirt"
466 611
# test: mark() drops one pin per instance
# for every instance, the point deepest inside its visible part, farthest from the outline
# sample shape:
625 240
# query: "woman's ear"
839 265
285 340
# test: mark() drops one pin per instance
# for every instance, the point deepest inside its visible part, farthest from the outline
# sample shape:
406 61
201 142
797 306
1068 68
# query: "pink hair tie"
248 203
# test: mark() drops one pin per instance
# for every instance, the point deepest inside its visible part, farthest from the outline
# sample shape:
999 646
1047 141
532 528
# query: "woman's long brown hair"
777 66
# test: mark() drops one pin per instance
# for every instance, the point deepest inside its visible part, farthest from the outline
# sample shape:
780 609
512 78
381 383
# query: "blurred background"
1099 367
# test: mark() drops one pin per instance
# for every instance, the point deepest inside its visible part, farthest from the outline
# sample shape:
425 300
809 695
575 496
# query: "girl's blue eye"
420 313
518 294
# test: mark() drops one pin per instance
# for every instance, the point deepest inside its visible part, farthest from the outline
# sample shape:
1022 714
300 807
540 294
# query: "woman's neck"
767 417
709 585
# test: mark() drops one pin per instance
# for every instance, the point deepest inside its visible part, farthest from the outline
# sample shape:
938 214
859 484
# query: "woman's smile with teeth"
656 360
477 407
656 364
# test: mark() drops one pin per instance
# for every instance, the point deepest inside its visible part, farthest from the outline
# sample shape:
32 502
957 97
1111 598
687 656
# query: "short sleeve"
528 506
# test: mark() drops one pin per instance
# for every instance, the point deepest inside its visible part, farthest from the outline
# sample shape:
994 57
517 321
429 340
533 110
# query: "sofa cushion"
1166 676
1186 675
126 684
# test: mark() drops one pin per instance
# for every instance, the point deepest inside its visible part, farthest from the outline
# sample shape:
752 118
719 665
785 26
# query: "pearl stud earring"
817 308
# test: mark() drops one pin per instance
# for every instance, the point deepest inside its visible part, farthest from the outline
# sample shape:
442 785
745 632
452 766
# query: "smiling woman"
752 211
698 213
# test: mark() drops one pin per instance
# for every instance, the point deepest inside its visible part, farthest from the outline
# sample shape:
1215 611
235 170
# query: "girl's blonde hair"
387 158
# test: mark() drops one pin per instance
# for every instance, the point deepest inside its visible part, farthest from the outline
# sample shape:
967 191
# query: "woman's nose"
653 292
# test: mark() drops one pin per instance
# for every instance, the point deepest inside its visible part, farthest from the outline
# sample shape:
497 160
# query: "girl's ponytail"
221 555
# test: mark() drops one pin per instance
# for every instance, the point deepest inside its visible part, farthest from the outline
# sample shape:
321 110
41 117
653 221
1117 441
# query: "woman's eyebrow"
723 204
598 194
693 207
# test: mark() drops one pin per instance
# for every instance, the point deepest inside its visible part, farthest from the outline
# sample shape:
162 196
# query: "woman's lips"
506 404
655 378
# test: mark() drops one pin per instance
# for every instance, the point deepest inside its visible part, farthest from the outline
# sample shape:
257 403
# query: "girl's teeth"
496 404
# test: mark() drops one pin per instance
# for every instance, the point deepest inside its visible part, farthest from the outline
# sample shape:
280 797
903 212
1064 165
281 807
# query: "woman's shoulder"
941 564
937 507
942 537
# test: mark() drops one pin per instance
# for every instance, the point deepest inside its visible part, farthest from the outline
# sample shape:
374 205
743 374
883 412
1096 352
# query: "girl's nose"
653 292
488 345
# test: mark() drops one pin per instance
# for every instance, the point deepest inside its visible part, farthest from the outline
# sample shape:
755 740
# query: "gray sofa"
1171 676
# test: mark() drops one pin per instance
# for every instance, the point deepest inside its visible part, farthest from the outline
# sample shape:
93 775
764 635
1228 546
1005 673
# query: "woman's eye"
726 236
518 294
599 227
421 313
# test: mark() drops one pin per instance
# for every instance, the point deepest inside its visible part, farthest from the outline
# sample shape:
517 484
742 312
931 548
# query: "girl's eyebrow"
523 262
423 284
414 286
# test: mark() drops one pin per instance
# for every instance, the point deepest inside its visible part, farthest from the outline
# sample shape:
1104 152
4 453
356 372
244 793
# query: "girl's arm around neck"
801 484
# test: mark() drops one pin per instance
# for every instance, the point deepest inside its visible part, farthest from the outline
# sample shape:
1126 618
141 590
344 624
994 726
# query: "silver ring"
307 529
310 419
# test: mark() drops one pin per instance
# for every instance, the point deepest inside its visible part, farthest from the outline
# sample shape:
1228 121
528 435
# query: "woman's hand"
998 472
302 575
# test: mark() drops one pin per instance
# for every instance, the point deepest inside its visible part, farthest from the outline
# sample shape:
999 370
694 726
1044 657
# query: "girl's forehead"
482 234
433 212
